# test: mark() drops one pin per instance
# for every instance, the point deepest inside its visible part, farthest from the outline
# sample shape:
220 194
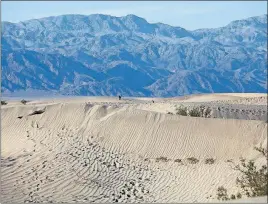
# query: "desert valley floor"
100 149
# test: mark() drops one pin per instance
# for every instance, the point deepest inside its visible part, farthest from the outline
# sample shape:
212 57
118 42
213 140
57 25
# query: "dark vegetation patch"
3 103
200 111
210 161
162 159
252 182
37 112
192 160
24 101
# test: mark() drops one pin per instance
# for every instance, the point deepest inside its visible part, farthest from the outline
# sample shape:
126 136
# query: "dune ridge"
105 150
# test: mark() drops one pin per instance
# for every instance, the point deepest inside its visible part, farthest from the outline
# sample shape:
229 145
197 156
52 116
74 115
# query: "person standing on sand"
119 97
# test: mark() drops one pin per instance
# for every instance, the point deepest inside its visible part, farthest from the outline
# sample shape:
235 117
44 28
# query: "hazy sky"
190 15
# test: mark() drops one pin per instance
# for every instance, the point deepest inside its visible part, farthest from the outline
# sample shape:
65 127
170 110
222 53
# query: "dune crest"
104 150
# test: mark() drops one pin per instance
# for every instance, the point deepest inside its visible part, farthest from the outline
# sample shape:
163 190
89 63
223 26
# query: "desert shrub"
3 103
207 112
192 160
163 159
232 197
37 112
178 160
210 161
195 112
238 195
200 111
222 193
202 108
181 110
252 182
263 151
23 101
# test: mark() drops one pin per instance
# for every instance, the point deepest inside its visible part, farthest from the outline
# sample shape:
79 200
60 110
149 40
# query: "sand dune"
221 97
262 199
99 149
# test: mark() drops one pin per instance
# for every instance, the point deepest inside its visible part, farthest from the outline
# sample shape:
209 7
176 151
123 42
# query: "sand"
100 149
262 199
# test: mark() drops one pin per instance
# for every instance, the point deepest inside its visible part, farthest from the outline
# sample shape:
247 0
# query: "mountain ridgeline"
106 55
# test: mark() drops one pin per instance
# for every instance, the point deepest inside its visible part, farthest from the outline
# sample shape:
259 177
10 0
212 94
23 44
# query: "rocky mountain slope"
106 55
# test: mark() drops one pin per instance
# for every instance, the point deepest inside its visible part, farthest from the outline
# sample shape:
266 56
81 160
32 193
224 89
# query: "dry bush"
181 110
3 103
195 112
163 159
37 112
238 195
222 193
192 160
232 197
252 182
210 161
178 160
24 101
263 151
200 111
207 112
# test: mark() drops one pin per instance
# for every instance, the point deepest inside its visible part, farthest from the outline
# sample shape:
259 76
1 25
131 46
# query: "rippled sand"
100 149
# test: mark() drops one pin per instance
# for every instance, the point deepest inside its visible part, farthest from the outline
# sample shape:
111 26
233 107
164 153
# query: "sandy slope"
232 97
262 199
101 149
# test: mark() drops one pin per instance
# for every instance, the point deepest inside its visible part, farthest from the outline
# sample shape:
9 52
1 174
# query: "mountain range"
107 55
